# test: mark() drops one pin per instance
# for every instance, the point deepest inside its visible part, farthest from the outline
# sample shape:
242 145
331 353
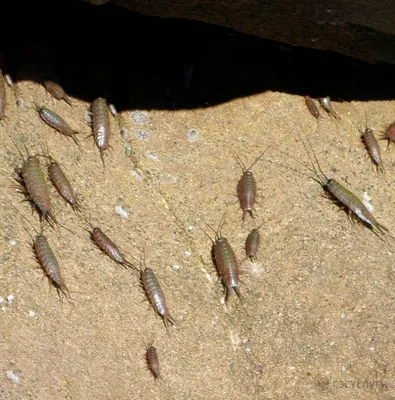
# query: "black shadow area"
153 63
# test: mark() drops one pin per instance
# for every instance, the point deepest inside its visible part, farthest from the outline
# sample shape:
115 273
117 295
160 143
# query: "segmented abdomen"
154 292
101 123
351 201
107 245
56 90
226 262
312 107
62 184
246 190
373 146
36 186
252 243
153 361
56 121
48 261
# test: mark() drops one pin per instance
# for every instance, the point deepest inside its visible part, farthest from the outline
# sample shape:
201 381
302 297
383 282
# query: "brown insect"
313 109
389 134
62 185
48 262
246 187
341 195
53 87
225 260
101 125
151 356
107 246
57 122
155 295
372 147
33 180
252 244
370 143
327 106
2 97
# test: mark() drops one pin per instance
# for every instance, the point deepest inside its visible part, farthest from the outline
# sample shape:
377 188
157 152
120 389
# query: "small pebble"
1 300
124 134
175 267
32 313
166 178
151 155
13 377
193 135
121 212
10 299
127 148
20 104
137 175
12 242
187 253
142 134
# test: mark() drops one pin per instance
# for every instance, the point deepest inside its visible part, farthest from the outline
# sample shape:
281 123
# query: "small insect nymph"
313 109
151 356
327 106
246 187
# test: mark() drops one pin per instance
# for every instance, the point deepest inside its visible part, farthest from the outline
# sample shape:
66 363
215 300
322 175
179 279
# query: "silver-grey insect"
101 125
156 296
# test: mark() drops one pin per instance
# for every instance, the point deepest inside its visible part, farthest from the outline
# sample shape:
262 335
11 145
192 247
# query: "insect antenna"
323 178
237 158
314 177
259 157
208 225
18 149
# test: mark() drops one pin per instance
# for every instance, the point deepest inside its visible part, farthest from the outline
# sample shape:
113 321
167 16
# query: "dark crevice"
143 62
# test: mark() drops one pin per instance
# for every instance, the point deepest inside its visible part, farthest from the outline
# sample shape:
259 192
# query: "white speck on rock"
142 134
139 117
175 267
124 134
193 135
10 299
151 155
166 178
121 212
20 104
12 242
32 313
1 300
187 253
13 377
137 175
